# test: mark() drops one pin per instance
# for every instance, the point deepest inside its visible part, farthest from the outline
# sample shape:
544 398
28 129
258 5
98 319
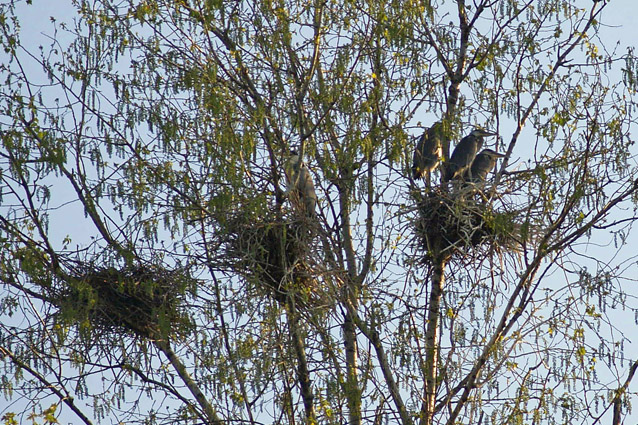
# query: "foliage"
142 165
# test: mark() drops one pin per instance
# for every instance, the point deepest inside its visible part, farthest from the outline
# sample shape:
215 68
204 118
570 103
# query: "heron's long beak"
485 133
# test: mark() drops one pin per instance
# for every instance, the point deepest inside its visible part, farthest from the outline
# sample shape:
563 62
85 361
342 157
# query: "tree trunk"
432 341
303 376
353 393
351 297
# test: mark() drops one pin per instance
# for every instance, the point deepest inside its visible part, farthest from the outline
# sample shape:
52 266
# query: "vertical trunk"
353 393
617 418
448 119
303 375
432 342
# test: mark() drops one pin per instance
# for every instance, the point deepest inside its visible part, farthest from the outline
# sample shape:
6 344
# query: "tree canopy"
158 262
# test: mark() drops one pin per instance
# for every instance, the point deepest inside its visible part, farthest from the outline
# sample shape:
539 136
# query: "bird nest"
146 301
453 222
274 256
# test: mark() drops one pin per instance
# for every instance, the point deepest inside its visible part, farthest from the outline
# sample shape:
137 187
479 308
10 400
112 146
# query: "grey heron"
482 165
301 189
428 152
464 153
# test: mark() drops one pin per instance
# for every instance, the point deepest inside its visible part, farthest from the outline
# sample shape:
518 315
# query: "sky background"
619 32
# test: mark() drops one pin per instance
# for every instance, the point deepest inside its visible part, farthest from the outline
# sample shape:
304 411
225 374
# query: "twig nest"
454 222
143 300
275 257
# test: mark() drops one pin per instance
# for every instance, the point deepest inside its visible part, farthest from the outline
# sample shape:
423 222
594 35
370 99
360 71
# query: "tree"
190 286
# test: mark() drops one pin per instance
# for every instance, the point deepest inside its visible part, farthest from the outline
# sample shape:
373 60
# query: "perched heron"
482 165
428 152
300 188
464 153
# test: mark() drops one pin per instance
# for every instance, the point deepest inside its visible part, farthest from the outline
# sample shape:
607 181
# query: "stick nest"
274 256
454 222
146 301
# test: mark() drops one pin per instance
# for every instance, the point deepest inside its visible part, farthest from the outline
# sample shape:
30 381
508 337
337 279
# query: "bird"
464 153
300 189
427 154
482 165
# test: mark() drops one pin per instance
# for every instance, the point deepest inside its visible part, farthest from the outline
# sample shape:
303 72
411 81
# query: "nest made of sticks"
458 220
146 301
274 256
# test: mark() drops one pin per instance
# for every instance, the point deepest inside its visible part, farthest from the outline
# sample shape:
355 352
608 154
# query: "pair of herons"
464 163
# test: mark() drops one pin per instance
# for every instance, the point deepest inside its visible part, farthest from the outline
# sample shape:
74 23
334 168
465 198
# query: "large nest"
146 301
462 219
274 256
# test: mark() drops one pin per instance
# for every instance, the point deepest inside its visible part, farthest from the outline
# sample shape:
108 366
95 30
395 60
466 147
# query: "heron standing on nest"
464 154
427 154
300 190
482 165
